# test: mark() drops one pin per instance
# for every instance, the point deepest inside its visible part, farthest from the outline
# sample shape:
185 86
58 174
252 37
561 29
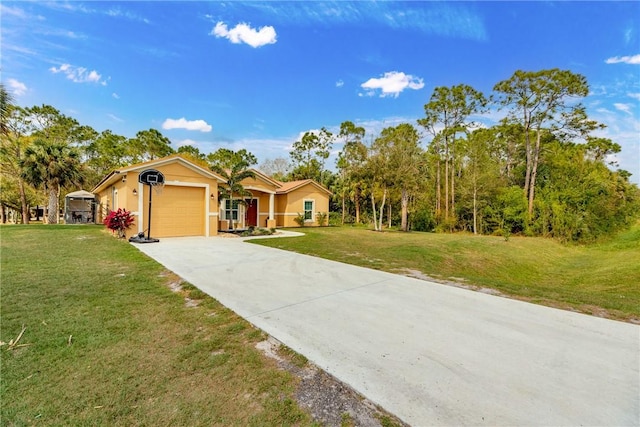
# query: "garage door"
178 211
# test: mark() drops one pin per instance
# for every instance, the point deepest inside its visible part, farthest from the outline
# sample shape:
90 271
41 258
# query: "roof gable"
264 177
156 163
176 158
287 187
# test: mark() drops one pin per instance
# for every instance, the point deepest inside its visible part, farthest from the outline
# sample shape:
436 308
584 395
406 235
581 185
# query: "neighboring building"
189 203
80 208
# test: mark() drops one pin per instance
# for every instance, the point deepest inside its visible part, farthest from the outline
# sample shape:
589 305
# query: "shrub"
321 217
257 231
422 220
119 221
299 219
335 218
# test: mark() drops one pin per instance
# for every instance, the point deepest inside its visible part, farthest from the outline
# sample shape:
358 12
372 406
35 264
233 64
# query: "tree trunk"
404 202
3 214
373 206
446 180
384 199
527 149
52 214
475 209
343 196
453 188
453 177
357 201
534 173
23 202
438 192
389 216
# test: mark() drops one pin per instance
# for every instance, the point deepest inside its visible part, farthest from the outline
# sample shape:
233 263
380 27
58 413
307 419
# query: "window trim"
313 208
231 210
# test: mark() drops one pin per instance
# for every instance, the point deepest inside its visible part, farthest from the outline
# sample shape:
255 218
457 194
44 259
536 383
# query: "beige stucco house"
189 203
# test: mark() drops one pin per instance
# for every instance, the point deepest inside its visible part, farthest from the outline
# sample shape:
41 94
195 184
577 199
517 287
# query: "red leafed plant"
118 221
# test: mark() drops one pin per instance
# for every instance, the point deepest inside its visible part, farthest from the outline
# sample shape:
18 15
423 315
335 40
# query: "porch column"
271 222
271 205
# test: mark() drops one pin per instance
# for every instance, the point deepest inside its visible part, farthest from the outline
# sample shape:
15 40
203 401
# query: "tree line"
539 171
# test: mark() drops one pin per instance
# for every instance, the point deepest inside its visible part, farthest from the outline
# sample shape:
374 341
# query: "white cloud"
339 83
183 123
625 108
117 13
184 142
243 33
115 118
634 95
635 60
18 88
13 11
447 19
115 95
79 74
628 35
392 83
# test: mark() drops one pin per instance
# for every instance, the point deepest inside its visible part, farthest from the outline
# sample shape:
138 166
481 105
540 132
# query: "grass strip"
601 279
109 343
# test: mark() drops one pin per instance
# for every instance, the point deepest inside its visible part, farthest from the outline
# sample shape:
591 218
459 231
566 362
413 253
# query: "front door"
251 215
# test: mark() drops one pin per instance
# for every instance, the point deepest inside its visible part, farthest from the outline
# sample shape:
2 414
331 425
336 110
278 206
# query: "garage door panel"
178 211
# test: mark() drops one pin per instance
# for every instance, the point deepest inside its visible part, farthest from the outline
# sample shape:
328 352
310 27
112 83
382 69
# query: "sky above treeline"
257 75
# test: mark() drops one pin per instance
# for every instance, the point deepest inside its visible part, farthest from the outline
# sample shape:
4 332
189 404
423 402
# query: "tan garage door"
178 211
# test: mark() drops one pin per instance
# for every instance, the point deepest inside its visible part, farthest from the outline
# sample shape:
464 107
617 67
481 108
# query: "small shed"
80 208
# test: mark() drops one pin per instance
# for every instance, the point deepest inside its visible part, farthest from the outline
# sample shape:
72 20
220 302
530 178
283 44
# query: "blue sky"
257 75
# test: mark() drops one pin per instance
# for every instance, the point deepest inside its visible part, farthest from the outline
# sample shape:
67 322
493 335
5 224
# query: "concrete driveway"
429 353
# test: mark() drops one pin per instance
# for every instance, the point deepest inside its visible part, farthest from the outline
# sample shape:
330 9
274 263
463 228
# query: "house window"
229 211
308 210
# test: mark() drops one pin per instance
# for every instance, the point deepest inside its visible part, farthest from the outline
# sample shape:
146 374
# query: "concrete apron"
429 353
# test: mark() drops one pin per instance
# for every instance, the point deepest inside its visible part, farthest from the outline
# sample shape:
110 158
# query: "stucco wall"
289 205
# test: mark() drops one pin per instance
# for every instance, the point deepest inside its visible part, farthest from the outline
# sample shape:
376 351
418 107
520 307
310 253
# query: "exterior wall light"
135 192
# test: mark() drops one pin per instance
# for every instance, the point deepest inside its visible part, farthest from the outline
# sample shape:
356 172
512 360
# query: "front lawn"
601 279
107 342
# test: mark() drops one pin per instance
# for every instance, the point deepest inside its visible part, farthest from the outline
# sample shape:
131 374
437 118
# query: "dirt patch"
455 282
329 401
188 302
228 235
583 309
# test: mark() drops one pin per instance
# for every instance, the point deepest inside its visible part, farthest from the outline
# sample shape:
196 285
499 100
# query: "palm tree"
234 176
6 101
51 166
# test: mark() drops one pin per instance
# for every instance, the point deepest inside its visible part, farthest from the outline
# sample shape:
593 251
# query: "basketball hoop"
155 180
151 177
157 187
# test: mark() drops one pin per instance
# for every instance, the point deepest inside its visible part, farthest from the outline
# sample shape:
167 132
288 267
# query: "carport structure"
80 207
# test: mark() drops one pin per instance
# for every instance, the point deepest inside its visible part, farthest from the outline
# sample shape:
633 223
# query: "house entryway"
251 213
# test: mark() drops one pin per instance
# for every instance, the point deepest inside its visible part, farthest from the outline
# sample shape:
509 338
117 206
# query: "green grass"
601 279
110 344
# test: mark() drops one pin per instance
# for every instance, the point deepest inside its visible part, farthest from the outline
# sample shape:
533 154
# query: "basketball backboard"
151 177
